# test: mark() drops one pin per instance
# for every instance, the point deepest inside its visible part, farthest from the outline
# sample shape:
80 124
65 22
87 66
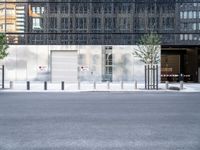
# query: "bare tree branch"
148 49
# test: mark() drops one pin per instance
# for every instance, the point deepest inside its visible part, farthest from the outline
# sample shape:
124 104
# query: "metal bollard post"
11 84
62 85
79 85
108 85
3 77
166 85
28 85
45 85
94 85
181 85
135 86
122 85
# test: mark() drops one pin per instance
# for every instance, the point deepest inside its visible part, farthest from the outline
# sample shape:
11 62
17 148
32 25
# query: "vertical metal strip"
45 85
157 77
148 76
28 85
62 85
154 72
145 77
3 78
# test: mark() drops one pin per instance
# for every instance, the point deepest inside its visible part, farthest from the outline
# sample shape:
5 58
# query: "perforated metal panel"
64 66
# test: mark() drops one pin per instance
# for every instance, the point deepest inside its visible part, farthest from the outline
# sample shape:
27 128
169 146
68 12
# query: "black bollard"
108 85
94 85
122 85
135 85
45 85
3 77
62 85
28 85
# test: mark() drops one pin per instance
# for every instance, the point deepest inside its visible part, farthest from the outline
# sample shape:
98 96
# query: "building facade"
100 36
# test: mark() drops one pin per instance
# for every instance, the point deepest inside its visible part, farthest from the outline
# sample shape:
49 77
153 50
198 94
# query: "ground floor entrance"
180 63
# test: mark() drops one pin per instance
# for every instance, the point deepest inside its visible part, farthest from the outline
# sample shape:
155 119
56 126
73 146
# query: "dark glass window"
53 23
64 24
80 23
97 8
96 23
108 8
53 8
64 9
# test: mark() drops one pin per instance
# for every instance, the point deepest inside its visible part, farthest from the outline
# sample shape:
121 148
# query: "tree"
3 46
148 49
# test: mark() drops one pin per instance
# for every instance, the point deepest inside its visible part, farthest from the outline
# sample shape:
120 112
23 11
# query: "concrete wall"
23 63
32 62
90 57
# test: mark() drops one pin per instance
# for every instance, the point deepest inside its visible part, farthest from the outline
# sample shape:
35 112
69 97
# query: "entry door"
64 66
170 64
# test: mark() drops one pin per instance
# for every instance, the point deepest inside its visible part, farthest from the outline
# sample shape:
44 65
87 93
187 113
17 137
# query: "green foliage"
3 46
148 49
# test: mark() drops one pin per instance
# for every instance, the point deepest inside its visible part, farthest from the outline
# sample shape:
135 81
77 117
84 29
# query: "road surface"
100 121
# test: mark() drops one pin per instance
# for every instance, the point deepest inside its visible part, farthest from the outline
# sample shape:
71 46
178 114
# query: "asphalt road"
99 121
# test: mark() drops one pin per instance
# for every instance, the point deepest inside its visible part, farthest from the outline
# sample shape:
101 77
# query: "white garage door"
64 66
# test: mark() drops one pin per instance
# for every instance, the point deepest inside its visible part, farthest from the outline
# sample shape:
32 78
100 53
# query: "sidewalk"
90 86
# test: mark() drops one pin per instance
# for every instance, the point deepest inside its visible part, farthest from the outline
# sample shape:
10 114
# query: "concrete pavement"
90 86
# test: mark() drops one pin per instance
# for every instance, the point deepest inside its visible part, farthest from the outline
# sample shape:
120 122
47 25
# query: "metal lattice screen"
98 22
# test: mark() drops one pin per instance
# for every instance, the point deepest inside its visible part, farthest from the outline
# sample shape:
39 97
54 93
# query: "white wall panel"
64 66
34 62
